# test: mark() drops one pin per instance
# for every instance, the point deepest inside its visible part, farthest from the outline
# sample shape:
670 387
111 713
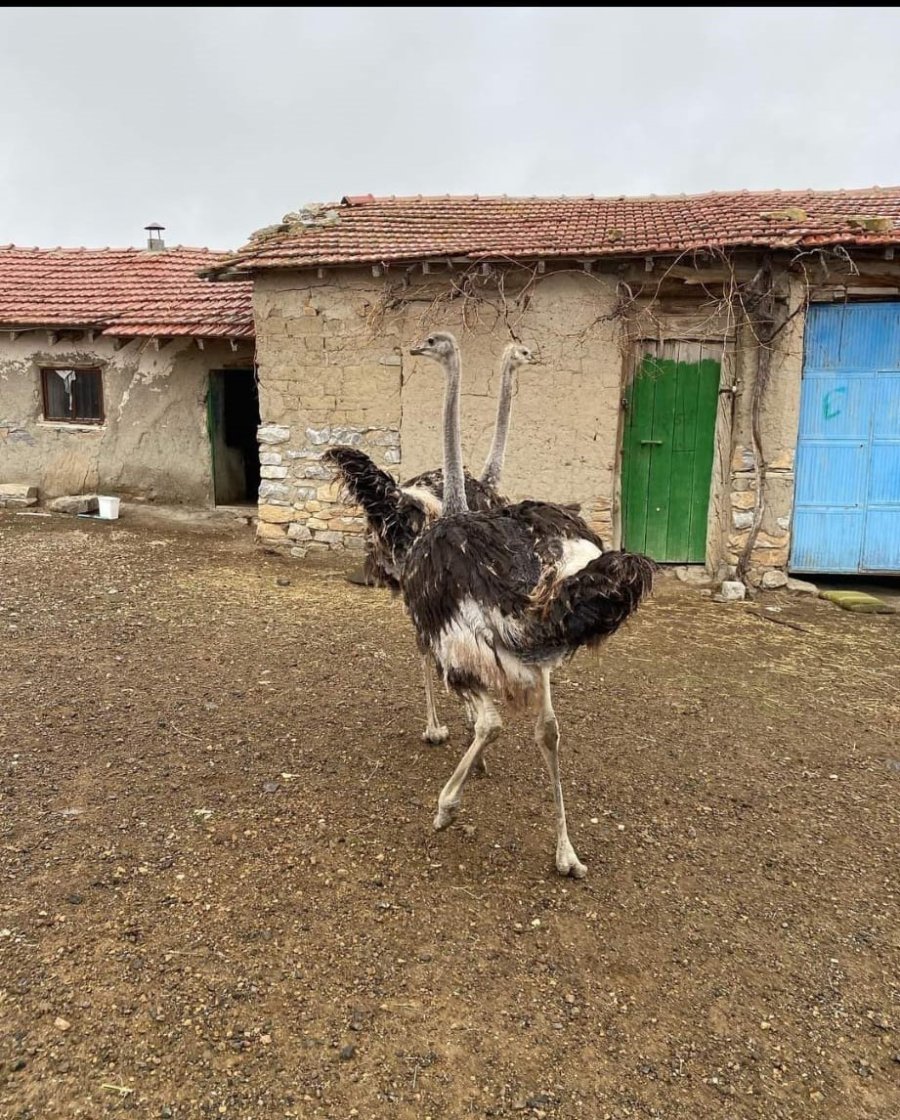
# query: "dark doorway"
233 417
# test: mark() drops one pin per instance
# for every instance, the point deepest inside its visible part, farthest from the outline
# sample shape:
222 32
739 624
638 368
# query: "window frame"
95 421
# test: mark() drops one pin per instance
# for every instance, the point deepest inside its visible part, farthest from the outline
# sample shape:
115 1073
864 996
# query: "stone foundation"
773 542
300 505
17 494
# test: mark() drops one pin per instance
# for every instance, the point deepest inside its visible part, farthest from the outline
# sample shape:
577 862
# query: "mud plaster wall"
334 370
153 443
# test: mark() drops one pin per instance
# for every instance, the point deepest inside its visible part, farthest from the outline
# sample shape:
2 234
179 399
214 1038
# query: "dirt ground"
220 894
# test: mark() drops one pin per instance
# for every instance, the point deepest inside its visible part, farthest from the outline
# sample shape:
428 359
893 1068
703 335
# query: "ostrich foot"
567 862
435 735
481 768
446 815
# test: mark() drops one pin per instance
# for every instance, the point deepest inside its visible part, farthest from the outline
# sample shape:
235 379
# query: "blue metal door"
847 496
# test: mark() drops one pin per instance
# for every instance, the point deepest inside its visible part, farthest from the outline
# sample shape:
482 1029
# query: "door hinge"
652 442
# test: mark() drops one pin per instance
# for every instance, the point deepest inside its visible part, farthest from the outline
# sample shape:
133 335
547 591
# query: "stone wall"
335 368
153 442
324 381
300 507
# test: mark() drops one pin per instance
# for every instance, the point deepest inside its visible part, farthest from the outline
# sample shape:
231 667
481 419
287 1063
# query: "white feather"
475 640
576 554
429 502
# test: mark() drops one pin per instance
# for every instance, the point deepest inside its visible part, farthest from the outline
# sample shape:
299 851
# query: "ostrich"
500 598
397 514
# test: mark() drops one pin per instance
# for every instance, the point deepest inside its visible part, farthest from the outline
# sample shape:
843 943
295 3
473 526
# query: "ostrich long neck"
493 465
454 480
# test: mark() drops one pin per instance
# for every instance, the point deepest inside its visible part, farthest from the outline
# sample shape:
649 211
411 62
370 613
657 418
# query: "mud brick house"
123 372
720 379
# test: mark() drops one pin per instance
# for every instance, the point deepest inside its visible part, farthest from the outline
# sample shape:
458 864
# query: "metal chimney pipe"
154 236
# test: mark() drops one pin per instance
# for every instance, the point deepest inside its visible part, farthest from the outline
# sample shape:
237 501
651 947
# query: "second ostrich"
500 598
396 513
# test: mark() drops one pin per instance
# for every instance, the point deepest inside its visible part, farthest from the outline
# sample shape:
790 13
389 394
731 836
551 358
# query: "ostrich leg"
481 766
487 728
546 734
434 732
437 732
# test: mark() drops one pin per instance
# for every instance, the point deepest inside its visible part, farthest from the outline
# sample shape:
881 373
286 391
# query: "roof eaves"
50 325
180 330
226 270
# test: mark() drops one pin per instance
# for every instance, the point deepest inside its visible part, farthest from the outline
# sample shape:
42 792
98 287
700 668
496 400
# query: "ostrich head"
440 346
516 355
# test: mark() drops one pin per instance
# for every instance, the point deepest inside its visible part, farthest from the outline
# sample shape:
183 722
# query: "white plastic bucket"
108 508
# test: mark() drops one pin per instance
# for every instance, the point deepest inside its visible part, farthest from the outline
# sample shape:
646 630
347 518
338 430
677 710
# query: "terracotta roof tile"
366 230
122 292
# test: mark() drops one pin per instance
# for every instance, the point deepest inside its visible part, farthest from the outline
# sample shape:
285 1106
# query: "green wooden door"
667 450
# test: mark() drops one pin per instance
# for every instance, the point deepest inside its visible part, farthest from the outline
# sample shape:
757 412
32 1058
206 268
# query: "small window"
73 395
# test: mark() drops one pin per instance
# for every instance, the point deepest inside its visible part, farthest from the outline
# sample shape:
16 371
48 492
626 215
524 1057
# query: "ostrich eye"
430 341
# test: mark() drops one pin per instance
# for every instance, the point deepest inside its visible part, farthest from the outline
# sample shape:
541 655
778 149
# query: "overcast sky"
217 121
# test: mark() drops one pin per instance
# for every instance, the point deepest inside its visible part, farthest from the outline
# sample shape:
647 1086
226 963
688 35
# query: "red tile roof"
366 230
122 292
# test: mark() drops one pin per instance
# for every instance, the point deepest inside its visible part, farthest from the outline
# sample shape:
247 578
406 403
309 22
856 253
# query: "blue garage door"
847 497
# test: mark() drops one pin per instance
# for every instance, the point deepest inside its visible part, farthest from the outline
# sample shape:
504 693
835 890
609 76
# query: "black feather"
506 559
588 606
395 519
369 486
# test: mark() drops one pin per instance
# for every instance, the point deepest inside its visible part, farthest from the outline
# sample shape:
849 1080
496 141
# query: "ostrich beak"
417 349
